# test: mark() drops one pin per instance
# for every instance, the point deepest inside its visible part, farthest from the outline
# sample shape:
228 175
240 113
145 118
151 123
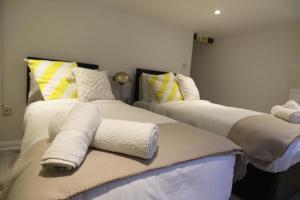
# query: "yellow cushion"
165 87
52 78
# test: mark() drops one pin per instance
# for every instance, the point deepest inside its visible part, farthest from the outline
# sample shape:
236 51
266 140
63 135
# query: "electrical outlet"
6 111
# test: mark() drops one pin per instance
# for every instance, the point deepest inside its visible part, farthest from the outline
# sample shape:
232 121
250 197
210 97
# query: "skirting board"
10 145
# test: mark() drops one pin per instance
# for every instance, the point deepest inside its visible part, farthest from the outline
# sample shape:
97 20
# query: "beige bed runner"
264 137
178 143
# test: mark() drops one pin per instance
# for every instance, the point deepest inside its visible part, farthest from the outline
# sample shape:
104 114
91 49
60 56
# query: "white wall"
252 71
83 31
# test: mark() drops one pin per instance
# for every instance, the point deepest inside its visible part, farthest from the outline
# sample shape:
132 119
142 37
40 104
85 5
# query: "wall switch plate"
6 111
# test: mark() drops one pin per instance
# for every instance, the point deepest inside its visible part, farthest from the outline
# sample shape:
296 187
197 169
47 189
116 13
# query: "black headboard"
138 74
83 65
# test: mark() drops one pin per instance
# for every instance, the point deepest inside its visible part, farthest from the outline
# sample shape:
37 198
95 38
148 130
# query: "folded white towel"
291 104
69 147
287 114
127 137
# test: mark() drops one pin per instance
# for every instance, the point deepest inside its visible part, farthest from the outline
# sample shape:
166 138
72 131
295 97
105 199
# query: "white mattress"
219 119
208 178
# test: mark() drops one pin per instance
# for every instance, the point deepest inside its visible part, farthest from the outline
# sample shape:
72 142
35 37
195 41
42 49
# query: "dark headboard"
138 74
83 65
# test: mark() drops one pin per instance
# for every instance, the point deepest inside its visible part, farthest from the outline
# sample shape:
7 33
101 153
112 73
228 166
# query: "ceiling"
198 15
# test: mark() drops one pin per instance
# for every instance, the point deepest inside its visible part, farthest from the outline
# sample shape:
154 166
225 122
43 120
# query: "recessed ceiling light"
217 12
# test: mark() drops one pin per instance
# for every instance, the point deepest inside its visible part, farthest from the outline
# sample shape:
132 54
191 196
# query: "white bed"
201 179
219 119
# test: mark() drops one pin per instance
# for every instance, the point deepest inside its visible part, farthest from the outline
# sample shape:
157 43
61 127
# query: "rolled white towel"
56 123
291 104
127 137
287 114
69 147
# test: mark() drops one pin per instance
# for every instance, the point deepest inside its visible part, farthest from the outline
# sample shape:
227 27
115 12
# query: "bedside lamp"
121 78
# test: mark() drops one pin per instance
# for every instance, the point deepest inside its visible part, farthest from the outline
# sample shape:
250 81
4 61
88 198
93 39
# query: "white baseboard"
10 145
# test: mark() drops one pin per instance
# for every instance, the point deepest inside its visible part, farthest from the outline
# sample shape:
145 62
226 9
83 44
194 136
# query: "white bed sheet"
201 179
219 119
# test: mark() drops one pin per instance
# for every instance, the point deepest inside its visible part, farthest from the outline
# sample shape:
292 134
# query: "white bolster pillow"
292 104
69 147
127 137
287 114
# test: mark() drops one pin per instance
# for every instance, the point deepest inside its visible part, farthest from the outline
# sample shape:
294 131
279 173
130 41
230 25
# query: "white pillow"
147 94
188 88
34 93
92 85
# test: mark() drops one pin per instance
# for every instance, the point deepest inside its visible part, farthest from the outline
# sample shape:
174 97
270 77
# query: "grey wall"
1 45
252 71
83 31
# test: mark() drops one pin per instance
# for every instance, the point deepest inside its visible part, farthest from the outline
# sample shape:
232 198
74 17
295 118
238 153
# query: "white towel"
56 123
292 105
287 114
127 137
69 147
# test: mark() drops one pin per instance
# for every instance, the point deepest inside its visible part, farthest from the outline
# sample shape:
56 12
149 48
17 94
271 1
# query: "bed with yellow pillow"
208 177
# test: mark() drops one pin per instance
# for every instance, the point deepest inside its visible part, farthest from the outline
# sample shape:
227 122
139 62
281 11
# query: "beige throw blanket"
264 137
178 143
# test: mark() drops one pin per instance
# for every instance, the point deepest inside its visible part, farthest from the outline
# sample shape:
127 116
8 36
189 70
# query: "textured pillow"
92 85
188 88
165 87
51 76
34 93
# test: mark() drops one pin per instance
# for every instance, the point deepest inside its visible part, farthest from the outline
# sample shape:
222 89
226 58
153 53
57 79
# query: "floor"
233 197
8 157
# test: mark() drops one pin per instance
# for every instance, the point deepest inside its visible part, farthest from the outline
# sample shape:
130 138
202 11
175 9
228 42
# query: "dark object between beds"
83 65
257 184
261 185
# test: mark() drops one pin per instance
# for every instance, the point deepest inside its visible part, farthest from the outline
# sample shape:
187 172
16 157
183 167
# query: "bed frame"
257 184
83 65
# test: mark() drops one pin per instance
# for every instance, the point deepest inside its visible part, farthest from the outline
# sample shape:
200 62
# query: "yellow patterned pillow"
52 78
165 87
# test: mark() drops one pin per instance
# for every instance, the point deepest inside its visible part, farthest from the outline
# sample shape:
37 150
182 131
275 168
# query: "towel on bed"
56 123
127 137
69 147
290 115
291 104
121 136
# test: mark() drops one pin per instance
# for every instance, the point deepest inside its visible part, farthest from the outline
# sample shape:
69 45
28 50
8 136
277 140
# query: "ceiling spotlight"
217 12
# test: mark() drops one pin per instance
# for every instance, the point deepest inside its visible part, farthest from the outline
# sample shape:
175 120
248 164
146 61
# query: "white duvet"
201 179
219 119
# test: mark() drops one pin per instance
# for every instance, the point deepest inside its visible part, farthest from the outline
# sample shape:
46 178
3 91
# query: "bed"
203 178
220 119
